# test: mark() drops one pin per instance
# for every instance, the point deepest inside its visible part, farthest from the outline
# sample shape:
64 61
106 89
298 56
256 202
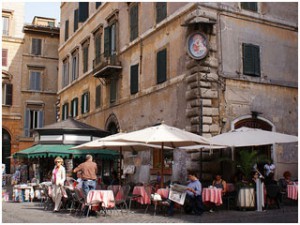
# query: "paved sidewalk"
34 213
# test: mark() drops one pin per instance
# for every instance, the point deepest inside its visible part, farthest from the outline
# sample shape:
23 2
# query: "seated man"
193 200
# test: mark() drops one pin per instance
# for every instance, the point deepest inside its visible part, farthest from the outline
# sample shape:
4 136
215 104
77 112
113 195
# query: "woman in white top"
58 178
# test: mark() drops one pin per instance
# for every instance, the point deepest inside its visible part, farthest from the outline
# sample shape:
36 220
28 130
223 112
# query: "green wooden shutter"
97 47
161 66
9 94
134 79
134 22
82 104
113 90
107 38
88 102
251 60
76 19
83 11
98 96
85 58
26 123
161 11
66 30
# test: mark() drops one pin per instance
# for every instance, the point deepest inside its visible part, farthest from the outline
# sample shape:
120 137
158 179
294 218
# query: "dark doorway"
6 149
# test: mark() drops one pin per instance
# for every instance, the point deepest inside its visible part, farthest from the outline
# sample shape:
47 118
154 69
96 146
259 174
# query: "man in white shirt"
269 168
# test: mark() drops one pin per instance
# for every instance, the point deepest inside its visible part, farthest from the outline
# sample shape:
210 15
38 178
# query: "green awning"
64 151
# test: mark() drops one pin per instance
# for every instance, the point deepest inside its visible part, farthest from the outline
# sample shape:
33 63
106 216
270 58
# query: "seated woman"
283 182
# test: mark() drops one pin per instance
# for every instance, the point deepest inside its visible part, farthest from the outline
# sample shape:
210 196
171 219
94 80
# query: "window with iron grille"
74 107
161 66
65 111
251 60
66 30
34 118
98 96
36 47
76 19
4 57
83 11
134 79
251 6
35 79
85 52
161 11
85 102
110 40
65 75
7 94
134 22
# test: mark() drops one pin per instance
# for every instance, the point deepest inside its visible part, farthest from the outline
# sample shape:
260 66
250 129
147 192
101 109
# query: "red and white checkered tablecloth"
292 191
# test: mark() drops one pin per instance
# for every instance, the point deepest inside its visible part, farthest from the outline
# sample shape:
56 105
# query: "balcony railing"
104 67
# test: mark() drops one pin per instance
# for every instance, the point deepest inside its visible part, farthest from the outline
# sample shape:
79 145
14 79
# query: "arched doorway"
6 149
112 124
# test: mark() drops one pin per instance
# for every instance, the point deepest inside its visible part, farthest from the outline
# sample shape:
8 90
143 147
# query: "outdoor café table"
213 195
141 190
292 191
104 196
246 197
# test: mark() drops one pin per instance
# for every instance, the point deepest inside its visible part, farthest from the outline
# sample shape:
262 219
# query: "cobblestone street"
34 213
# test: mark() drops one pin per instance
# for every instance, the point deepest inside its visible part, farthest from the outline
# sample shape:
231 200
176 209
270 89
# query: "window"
7 94
36 48
134 79
110 40
85 52
251 60
65 75
98 96
98 4
75 19
66 30
65 111
156 159
34 118
51 24
5 26
74 107
134 22
161 11
251 6
161 66
97 39
75 64
113 90
83 11
4 57
85 102
35 81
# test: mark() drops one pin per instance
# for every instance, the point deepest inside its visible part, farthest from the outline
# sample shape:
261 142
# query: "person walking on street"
58 179
88 174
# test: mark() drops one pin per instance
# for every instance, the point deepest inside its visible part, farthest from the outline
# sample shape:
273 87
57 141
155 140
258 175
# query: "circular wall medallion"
197 45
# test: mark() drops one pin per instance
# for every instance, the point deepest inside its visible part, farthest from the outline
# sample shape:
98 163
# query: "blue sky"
44 9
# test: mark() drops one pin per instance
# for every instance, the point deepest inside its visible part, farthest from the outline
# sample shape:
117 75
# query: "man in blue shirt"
193 199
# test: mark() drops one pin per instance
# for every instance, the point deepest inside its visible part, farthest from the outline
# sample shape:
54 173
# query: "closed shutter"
113 90
76 19
88 102
4 57
9 94
40 119
98 4
98 96
252 6
66 30
161 66
26 123
134 22
97 47
107 39
161 11
35 81
85 58
83 11
36 46
251 60
134 79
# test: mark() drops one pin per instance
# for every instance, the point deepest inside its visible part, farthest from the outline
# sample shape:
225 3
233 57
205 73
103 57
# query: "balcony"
105 67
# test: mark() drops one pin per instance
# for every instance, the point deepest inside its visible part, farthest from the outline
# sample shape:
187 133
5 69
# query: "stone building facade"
192 65
28 96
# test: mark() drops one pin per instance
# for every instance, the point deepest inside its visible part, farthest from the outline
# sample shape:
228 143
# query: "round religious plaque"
197 45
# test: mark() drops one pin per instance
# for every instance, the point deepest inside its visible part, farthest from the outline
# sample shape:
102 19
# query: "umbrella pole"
162 166
120 164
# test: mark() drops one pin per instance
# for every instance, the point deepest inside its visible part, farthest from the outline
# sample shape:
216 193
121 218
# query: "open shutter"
83 11
26 123
76 19
88 102
66 30
9 90
107 41
4 56
40 119
134 79
161 66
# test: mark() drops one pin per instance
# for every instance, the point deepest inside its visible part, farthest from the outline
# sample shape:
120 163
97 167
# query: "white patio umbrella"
165 136
246 136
